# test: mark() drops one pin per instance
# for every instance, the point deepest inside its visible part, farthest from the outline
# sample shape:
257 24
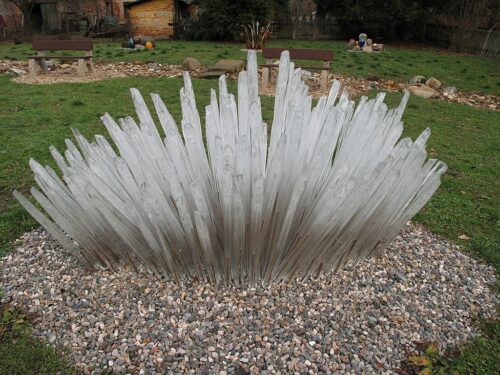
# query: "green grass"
467 72
468 201
467 139
481 356
21 353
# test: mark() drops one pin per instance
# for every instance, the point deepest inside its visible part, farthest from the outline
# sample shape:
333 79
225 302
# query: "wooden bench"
298 54
38 63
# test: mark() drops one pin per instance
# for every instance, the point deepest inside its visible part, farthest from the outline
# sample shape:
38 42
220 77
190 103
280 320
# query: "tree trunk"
391 31
422 30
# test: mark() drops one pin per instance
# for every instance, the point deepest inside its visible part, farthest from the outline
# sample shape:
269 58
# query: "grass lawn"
467 139
22 354
467 72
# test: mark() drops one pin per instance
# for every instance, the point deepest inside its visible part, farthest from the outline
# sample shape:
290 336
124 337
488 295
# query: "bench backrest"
63 45
299 53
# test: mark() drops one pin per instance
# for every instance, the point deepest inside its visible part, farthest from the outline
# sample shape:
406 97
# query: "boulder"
433 82
417 79
422 91
228 66
190 63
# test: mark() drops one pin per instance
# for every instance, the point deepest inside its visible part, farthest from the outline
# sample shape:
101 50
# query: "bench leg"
324 79
82 69
34 67
265 77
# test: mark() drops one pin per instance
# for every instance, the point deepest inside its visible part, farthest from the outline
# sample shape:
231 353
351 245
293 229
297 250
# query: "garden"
461 218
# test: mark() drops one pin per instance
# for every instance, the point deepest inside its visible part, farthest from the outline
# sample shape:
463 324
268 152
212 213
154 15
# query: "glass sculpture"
331 184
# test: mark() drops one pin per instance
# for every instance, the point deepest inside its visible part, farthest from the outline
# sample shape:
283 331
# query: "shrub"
222 19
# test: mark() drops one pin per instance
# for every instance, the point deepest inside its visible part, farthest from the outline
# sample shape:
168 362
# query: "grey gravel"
364 319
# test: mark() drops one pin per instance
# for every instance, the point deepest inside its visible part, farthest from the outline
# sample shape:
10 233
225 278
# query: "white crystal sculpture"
332 185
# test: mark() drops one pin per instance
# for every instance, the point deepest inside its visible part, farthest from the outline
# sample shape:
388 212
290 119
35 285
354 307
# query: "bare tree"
26 8
295 9
467 15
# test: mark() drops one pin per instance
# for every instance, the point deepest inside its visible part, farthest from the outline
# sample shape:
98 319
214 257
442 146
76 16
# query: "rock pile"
423 87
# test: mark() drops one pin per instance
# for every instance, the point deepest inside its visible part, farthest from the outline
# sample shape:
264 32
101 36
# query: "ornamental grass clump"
254 36
333 184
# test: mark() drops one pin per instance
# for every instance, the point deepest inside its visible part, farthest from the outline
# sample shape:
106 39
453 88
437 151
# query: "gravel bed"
364 319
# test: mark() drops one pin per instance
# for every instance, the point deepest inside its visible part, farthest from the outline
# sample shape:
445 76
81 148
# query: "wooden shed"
151 17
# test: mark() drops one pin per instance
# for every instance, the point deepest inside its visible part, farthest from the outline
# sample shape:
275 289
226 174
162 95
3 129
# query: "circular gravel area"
364 319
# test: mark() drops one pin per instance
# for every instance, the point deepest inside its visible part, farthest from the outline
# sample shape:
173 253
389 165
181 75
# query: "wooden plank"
60 57
299 53
62 45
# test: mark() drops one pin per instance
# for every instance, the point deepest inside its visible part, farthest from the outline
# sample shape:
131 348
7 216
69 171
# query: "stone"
190 63
368 48
144 39
215 74
422 91
139 62
417 79
377 47
228 66
139 47
433 83
369 42
450 90
50 65
17 71
154 66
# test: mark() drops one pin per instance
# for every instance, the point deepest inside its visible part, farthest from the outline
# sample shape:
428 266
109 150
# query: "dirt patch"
68 72
362 86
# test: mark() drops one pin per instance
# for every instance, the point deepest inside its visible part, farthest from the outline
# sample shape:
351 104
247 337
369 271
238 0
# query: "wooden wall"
152 18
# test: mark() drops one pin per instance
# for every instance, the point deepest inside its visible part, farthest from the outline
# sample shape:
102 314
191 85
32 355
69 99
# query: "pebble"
366 318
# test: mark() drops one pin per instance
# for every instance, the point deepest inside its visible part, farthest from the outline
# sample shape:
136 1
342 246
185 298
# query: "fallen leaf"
463 237
432 349
425 371
420 360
